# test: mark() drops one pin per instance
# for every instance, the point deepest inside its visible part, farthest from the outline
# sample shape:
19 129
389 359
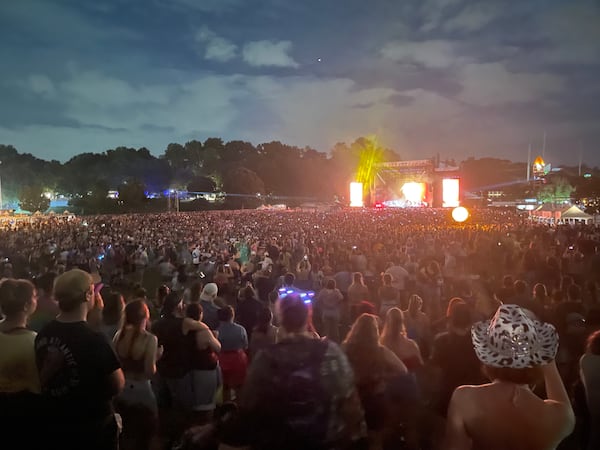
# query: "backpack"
298 402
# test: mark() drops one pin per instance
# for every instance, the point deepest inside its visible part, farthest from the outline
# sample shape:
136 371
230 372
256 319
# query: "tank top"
131 365
205 359
18 370
176 358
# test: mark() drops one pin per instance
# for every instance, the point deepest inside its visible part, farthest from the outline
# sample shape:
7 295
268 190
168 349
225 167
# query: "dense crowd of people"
300 330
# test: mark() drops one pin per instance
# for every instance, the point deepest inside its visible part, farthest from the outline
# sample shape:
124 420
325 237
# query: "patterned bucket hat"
513 338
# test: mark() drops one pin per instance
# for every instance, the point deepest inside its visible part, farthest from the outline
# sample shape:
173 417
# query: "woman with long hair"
404 390
112 314
330 302
138 352
389 296
417 323
357 293
394 337
373 365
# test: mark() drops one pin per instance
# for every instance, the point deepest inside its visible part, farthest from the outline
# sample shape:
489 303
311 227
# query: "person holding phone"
94 316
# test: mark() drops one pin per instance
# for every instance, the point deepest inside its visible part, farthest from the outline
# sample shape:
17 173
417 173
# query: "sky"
462 78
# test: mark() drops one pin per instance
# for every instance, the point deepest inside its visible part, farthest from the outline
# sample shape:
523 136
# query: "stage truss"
416 183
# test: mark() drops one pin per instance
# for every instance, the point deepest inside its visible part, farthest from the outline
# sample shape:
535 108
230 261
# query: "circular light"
460 214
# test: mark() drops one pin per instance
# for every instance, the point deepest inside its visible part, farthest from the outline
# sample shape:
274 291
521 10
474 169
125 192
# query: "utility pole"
580 158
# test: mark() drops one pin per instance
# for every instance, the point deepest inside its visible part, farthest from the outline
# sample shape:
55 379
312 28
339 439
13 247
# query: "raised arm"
192 325
558 397
205 338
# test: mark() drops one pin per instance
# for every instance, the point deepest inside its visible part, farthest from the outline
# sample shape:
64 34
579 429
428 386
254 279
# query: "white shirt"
196 256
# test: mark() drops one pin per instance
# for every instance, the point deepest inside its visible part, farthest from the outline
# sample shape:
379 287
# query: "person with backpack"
299 393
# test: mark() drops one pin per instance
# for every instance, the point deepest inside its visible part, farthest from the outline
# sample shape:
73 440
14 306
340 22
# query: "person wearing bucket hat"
515 350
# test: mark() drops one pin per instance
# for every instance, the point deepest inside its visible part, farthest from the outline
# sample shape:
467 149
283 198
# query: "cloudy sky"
459 77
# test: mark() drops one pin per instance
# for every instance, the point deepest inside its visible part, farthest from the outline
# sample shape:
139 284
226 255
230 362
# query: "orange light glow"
356 195
450 192
460 214
414 192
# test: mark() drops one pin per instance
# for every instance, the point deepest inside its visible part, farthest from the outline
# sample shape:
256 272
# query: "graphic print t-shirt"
74 364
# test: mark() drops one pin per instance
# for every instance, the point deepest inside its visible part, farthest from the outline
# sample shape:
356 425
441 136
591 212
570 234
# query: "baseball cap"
70 288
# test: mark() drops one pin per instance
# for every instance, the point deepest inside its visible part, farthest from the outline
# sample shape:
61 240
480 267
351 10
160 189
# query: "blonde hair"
363 349
394 326
364 332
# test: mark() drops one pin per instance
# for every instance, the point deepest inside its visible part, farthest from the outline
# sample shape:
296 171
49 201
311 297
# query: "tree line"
242 174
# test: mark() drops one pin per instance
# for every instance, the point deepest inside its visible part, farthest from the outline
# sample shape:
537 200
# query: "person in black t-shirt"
79 371
453 356
248 309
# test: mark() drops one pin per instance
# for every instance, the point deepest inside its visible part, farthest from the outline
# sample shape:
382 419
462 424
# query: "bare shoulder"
467 401
465 391
467 394
192 324
413 344
558 411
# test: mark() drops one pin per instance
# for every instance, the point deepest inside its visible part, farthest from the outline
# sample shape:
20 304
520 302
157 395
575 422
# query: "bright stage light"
356 195
460 214
450 192
413 192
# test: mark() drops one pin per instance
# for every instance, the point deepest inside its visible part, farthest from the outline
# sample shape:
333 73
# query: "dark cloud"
464 77
152 127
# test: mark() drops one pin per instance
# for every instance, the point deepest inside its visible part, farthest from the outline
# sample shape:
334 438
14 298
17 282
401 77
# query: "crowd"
289 330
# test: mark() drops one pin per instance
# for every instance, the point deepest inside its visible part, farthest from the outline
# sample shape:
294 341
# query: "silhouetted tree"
32 199
246 184
177 156
201 184
194 152
132 194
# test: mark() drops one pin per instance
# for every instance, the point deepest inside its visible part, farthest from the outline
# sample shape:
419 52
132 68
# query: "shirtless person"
516 351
